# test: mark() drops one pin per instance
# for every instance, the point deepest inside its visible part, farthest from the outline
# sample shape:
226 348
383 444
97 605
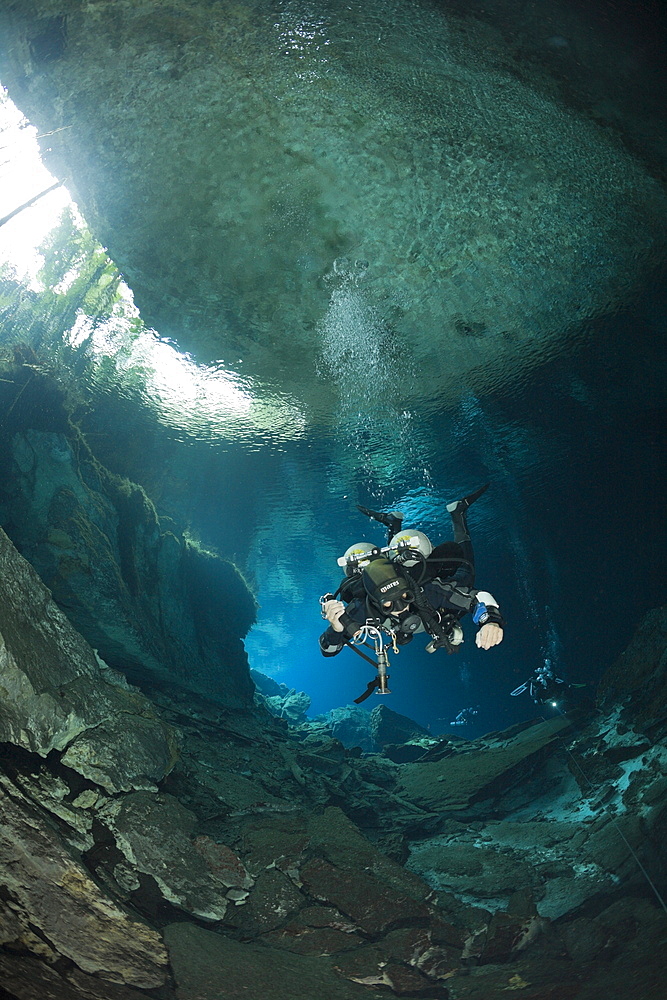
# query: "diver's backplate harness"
375 633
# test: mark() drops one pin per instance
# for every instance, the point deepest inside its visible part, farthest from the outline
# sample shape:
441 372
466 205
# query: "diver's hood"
382 583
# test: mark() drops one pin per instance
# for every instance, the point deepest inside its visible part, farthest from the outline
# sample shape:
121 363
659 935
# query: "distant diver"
409 587
545 688
465 716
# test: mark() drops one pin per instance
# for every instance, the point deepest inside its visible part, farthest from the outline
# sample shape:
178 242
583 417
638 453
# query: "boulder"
274 898
388 726
58 910
208 965
351 725
372 905
454 782
334 837
289 704
149 753
154 833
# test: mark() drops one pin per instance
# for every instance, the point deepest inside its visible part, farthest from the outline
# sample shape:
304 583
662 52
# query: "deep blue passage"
570 537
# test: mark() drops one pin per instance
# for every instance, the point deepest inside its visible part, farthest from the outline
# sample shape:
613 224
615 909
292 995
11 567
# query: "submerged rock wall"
149 600
177 846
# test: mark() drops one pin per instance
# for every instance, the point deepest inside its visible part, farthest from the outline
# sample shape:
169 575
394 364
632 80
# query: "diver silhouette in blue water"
465 716
545 688
409 587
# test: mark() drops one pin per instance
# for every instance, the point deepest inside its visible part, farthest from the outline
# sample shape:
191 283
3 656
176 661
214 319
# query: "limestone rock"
282 701
291 705
473 870
59 899
279 839
639 676
372 905
562 842
505 833
316 930
152 602
53 795
57 695
584 939
273 899
388 726
333 836
207 965
302 940
121 757
451 783
25 978
351 725
154 834
314 178
46 669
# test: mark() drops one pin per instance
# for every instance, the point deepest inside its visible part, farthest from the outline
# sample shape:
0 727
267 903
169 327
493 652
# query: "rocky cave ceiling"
283 181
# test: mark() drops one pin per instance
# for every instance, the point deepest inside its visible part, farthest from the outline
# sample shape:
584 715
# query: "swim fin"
463 504
389 520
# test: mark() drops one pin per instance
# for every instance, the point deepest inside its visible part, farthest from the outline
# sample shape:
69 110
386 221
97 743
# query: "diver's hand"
489 635
332 612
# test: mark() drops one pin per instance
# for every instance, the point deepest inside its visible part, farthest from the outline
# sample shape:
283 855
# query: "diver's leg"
459 523
392 521
395 526
458 512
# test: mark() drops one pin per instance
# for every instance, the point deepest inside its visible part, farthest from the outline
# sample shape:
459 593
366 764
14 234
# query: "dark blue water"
570 537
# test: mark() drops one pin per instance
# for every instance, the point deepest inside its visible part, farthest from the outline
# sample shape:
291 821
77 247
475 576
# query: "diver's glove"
487 615
332 610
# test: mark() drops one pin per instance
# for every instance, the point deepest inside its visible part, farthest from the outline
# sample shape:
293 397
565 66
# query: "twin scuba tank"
375 574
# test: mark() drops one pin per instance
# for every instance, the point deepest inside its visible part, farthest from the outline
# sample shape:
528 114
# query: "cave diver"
465 716
389 594
545 688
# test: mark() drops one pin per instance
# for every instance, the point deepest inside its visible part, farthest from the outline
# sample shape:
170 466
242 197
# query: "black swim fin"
463 504
390 520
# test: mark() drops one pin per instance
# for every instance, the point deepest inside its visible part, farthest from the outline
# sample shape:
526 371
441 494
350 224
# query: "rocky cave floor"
156 845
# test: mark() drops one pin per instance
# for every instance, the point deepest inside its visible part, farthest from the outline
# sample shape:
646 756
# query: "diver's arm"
342 626
331 642
489 635
486 614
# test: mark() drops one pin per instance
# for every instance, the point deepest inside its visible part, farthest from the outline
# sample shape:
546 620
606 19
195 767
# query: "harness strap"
359 653
370 687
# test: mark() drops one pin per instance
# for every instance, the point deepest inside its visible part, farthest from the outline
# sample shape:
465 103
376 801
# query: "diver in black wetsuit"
465 716
545 688
412 587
